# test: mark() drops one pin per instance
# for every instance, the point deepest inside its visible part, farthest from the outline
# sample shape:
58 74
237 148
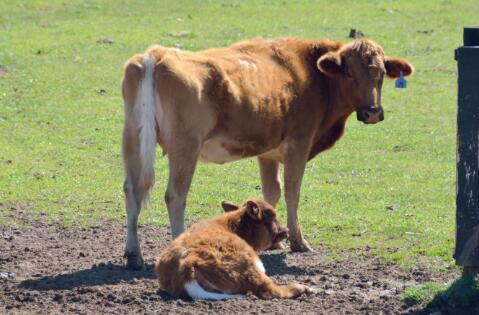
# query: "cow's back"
248 97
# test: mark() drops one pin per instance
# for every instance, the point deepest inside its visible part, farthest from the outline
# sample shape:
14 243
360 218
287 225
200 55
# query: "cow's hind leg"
134 258
182 157
271 186
139 143
132 196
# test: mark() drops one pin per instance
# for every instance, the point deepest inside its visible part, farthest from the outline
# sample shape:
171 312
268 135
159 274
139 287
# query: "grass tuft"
462 293
422 293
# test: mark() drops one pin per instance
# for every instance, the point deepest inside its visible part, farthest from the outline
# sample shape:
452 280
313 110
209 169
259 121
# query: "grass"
460 294
61 117
423 293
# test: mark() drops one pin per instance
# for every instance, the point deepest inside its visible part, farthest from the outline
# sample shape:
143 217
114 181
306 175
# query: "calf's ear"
229 206
394 66
330 64
253 210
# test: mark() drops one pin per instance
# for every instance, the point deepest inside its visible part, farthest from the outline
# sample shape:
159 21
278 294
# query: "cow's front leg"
182 163
296 156
270 186
270 182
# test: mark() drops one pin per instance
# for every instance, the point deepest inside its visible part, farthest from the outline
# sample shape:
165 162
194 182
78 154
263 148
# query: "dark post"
467 201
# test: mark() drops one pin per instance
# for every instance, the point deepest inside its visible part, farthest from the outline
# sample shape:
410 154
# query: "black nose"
370 114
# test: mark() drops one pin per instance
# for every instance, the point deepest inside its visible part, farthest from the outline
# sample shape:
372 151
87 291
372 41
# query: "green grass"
60 137
423 293
462 293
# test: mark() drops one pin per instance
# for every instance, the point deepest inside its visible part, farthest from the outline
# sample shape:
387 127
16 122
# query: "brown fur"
283 100
221 252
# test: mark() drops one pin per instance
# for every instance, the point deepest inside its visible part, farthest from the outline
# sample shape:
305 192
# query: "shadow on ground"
101 274
275 265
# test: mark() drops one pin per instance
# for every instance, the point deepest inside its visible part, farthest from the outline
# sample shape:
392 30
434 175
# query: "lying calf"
216 259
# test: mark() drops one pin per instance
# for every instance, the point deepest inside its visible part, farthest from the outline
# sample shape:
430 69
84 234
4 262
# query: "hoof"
300 289
310 290
300 247
134 262
307 290
278 245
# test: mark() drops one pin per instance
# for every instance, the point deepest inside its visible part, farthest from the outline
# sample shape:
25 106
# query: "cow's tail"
145 112
140 133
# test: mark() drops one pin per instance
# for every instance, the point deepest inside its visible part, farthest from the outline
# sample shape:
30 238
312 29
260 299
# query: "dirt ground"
47 268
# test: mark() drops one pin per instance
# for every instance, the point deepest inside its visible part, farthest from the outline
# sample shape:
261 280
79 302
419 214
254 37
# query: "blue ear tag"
400 83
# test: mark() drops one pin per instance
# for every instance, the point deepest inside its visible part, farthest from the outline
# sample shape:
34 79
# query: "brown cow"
216 259
283 101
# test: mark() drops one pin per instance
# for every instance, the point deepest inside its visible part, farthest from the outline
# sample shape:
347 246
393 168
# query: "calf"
216 259
283 101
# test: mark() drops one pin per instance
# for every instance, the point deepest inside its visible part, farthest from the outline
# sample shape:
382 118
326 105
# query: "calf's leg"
221 274
267 289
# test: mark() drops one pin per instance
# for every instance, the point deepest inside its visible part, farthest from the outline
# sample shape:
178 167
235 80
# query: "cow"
216 259
283 101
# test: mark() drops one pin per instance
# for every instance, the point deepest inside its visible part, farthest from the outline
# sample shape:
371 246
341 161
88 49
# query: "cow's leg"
270 182
134 259
296 156
271 186
131 152
182 163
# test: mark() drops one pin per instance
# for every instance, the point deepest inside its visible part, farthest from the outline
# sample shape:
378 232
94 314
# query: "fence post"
467 160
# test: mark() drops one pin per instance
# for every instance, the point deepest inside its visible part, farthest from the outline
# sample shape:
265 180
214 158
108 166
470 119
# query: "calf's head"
359 68
257 223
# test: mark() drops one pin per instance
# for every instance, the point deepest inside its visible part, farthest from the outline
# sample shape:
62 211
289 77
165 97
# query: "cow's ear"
330 64
253 210
229 206
394 66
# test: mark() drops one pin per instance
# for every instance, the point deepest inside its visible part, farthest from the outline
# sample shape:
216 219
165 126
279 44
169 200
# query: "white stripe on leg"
196 292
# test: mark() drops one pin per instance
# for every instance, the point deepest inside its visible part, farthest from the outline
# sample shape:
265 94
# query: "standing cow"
283 101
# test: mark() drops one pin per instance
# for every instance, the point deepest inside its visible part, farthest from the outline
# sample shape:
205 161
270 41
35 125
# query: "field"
385 192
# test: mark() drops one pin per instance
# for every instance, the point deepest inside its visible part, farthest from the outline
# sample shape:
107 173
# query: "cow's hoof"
300 247
134 262
278 245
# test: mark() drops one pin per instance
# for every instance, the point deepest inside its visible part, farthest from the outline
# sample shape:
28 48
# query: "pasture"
384 193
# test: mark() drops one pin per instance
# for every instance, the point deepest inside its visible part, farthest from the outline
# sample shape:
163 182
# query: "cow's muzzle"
370 114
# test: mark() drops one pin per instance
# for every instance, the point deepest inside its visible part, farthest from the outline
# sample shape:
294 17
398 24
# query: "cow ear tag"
400 82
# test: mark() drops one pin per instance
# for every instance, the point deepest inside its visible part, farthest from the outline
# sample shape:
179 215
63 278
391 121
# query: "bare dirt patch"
3 71
48 268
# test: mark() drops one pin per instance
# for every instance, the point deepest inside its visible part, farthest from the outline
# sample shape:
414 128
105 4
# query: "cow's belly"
221 150
275 154
215 151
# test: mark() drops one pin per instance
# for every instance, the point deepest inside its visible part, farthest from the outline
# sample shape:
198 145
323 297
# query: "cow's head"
359 67
259 225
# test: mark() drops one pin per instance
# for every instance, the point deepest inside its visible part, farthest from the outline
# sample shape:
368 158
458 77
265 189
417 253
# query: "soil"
3 71
46 267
